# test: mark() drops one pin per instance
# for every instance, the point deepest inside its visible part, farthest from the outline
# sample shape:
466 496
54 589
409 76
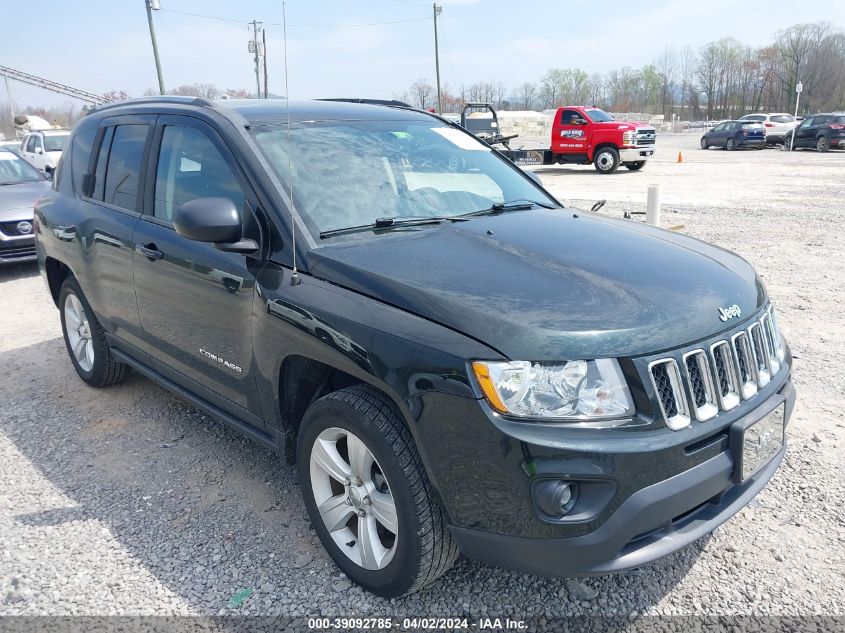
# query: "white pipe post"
652 212
798 88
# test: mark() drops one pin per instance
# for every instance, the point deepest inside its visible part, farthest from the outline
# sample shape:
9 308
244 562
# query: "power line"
236 21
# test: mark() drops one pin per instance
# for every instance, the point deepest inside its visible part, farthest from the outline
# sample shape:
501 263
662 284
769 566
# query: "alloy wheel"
79 332
821 144
354 498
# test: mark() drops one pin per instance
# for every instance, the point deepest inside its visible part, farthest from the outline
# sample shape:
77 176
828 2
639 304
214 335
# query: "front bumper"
635 154
14 250
649 524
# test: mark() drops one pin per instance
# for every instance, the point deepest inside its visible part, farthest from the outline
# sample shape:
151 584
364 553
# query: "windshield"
351 173
54 142
599 116
15 170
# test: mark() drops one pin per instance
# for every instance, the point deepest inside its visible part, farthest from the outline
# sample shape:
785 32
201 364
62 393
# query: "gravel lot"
129 501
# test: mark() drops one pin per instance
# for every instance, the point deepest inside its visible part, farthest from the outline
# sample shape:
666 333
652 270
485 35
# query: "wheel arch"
56 272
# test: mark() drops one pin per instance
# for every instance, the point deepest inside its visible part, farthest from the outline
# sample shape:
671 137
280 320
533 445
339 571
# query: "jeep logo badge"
729 313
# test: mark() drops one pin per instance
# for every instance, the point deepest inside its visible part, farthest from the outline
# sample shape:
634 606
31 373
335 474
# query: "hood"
624 125
17 201
551 285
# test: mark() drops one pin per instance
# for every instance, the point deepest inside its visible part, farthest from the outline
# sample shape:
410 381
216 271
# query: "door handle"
149 251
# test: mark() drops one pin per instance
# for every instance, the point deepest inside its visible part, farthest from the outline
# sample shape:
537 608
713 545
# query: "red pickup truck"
584 135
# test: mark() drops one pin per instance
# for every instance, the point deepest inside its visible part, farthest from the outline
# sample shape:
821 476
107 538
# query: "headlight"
571 390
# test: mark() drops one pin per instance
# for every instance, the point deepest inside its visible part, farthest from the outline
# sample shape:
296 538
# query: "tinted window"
821 120
189 167
124 165
755 117
80 154
839 119
102 159
782 118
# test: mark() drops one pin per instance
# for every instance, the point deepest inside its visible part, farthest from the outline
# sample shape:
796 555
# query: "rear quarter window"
80 155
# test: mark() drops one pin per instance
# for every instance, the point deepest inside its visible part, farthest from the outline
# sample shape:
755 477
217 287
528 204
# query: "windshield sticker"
458 138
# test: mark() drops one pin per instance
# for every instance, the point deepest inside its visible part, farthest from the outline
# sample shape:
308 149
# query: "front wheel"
606 160
368 495
636 166
85 339
822 144
704 143
730 145
787 142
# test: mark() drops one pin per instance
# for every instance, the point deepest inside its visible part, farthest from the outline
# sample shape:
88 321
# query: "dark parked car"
20 186
454 361
733 135
821 132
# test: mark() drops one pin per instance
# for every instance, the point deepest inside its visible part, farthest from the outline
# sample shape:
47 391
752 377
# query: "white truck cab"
43 148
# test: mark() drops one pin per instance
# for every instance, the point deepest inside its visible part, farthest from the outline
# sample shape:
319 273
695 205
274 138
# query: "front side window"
190 167
351 173
15 170
571 117
30 143
124 166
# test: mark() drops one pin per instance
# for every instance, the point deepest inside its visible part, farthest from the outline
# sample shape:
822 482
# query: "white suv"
778 124
43 148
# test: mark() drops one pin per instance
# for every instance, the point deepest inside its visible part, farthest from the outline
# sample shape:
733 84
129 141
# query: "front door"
572 136
805 135
196 301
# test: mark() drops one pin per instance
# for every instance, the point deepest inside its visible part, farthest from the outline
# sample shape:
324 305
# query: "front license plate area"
756 443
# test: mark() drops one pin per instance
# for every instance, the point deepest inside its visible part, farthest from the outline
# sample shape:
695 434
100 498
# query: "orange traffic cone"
680 157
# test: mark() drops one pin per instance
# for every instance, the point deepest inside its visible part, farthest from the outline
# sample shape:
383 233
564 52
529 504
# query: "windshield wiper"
390 223
511 205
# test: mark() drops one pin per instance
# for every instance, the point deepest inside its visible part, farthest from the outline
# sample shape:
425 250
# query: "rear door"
108 183
195 301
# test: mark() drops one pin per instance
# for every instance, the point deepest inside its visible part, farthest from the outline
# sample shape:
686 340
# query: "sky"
103 45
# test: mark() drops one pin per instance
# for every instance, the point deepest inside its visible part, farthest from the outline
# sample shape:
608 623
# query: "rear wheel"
704 143
730 145
85 339
638 165
606 160
822 144
368 496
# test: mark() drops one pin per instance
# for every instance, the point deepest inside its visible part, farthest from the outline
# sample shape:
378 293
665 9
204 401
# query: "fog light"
555 498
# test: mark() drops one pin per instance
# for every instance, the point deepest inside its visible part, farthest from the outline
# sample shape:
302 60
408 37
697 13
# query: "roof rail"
174 99
384 102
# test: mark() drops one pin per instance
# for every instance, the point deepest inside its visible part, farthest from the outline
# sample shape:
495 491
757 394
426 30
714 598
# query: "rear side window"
782 118
124 166
190 167
839 119
80 155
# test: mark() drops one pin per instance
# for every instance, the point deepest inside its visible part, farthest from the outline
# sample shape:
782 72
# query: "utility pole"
437 11
9 94
154 5
264 58
254 49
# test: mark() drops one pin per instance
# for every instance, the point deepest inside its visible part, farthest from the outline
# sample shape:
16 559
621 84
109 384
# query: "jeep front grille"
717 379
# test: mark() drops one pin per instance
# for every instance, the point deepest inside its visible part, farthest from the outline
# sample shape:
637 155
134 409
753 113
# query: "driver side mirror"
214 220
38 150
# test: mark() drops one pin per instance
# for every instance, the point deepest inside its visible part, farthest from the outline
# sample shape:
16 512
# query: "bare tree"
423 94
526 94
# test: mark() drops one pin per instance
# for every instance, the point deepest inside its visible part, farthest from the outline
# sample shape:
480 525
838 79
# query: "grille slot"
700 385
758 346
666 379
726 378
771 346
745 365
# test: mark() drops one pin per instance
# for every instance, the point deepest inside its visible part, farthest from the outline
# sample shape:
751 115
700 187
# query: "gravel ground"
129 501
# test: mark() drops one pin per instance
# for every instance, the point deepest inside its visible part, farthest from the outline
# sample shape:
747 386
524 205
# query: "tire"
388 468
636 166
787 142
822 144
606 160
704 143
92 359
730 145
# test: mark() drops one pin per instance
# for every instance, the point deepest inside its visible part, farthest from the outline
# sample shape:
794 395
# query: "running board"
237 424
